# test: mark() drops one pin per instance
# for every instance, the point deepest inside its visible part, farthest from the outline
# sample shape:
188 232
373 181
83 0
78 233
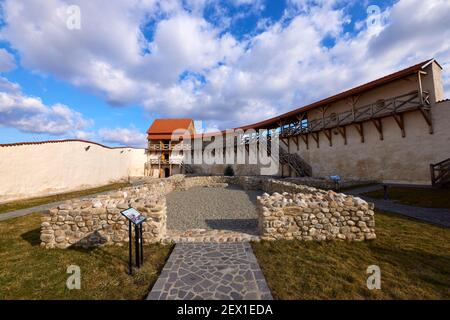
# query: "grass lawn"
414 259
28 203
28 271
420 197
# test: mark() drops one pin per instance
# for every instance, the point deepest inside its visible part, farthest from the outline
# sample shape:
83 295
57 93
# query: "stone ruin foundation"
286 211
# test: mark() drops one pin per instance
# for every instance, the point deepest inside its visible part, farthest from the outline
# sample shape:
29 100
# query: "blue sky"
224 63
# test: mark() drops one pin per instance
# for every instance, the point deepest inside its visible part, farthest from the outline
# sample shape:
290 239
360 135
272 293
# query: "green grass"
420 197
28 271
414 258
28 203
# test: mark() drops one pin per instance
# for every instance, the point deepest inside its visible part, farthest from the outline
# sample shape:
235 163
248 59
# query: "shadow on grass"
98 252
32 237
418 264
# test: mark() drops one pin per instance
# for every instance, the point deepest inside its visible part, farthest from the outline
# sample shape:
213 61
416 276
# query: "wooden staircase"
296 163
293 160
440 173
187 168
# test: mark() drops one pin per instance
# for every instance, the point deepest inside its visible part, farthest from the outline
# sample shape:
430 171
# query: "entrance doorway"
166 172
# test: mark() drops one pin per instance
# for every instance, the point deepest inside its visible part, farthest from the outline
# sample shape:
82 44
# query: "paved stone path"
26 211
47 206
211 271
436 216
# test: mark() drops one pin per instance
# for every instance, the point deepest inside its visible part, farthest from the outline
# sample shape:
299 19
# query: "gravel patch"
229 208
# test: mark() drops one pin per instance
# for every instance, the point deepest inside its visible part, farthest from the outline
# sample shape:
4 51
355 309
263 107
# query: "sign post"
136 219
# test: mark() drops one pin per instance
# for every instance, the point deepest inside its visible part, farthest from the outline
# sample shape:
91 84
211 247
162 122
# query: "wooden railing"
161 161
381 108
440 173
168 147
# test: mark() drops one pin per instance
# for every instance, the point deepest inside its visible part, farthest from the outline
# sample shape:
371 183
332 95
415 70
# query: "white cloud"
229 81
123 136
7 61
29 114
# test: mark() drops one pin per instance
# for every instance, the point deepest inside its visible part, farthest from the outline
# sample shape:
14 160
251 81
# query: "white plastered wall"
32 170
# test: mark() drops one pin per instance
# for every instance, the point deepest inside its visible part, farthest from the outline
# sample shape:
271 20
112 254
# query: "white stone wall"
395 159
32 170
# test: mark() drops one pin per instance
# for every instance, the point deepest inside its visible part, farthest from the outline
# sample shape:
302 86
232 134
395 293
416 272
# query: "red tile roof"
166 125
343 95
161 129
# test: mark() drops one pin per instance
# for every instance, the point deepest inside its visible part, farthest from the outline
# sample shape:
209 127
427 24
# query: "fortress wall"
31 170
394 159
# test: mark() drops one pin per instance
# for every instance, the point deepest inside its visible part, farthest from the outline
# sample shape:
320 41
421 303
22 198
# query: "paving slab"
211 271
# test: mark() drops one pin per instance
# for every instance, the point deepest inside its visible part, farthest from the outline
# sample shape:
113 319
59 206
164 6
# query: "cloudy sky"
108 74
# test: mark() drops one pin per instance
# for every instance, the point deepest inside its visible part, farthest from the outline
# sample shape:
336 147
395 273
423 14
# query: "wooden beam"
295 138
343 132
420 87
301 117
352 101
399 119
315 136
286 144
281 124
329 135
305 140
360 128
379 126
426 113
323 110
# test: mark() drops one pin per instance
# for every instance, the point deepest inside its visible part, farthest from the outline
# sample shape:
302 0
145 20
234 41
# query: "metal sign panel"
134 216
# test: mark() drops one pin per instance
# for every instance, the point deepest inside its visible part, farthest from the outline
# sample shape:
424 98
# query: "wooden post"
420 87
360 128
305 140
379 126
159 167
343 131
433 177
425 113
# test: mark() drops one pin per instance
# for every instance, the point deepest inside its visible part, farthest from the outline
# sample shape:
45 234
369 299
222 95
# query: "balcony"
169 147
380 109
162 162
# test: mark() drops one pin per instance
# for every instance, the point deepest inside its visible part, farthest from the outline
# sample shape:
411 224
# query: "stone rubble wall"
323 215
292 211
98 220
